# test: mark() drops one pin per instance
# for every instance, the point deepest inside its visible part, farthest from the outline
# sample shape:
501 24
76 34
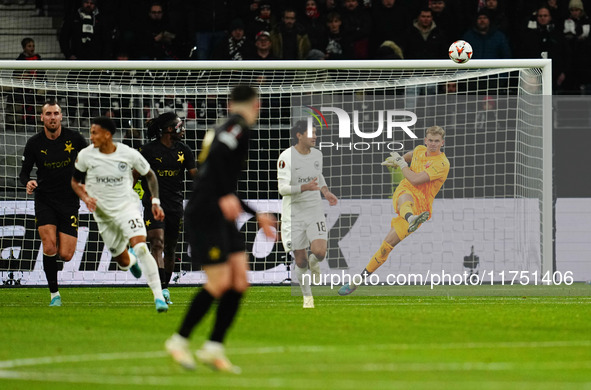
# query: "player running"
54 151
413 198
169 158
303 225
107 168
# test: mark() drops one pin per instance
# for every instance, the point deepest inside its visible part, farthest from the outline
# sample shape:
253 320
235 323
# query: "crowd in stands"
332 29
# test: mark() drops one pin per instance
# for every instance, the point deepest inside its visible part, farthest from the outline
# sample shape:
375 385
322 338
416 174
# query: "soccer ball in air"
460 52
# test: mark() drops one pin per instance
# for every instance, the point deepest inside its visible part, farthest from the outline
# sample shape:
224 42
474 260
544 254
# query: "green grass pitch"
112 338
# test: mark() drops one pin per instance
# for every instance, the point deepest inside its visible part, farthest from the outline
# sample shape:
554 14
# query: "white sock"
149 268
304 282
132 261
55 294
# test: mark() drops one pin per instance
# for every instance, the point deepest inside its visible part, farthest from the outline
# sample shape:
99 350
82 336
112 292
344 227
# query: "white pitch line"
297 349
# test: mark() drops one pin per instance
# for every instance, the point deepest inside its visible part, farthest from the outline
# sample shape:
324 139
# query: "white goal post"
495 206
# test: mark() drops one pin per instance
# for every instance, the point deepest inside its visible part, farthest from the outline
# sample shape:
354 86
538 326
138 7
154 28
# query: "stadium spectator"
210 226
303 224
498 18
576 31
389 50
424 40
448 19
86 35
156 39
356 28
558 11
211 21
106 168
413 198
289 40
335 44
169 158
264 20
21 103
53 151
314 23
487 42
390 21
28 45
236 46
263 47
542 40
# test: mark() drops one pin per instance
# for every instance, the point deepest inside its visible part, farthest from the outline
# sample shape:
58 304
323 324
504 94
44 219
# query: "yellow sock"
379 257
406 208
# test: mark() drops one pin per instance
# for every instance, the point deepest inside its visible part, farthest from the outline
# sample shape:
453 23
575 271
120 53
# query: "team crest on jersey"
69 147
122 166
317 164
429 163
181 158
281 164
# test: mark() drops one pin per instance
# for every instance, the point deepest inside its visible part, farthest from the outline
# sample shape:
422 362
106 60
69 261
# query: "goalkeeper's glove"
395 160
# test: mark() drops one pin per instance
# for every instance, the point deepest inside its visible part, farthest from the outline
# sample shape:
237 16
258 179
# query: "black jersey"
169 165
55 162
227 157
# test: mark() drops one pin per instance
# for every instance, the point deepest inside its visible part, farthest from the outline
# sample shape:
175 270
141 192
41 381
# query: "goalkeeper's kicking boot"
178 348
308 302
161 306
414 221
166 295
347 289
212 354
56 301
135 269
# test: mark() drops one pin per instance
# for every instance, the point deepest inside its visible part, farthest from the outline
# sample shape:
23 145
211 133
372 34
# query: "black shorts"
172 224
211 237
58 212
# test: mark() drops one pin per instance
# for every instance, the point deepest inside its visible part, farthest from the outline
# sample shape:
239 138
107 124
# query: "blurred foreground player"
413 198
216 243
107 168
54 151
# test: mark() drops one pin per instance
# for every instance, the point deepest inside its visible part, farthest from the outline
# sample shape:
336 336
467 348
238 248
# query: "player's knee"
66 255
157 244
141 250
320 253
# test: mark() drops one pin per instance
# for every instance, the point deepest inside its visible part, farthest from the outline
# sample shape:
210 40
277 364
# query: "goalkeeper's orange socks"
379 257
406 210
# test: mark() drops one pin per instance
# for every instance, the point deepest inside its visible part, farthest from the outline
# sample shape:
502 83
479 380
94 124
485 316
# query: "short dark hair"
51 102
26 41
105 123
300 127
242 93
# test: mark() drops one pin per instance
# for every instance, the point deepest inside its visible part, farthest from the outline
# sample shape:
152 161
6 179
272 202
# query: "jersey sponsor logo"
122 166
109 180
168 172
305 179
57 164
69 148
44 151
158 159
281 164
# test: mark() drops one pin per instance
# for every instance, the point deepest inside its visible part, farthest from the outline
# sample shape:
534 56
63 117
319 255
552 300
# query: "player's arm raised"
153 186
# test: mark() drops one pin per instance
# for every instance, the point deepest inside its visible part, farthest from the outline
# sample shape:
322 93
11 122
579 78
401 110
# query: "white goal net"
492 215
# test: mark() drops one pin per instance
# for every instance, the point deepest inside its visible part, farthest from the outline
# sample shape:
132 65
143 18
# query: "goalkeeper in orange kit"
413 198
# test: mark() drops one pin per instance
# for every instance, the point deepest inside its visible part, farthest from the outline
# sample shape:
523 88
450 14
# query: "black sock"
225 315
199 307
162 276
50 268
407 216
167 277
